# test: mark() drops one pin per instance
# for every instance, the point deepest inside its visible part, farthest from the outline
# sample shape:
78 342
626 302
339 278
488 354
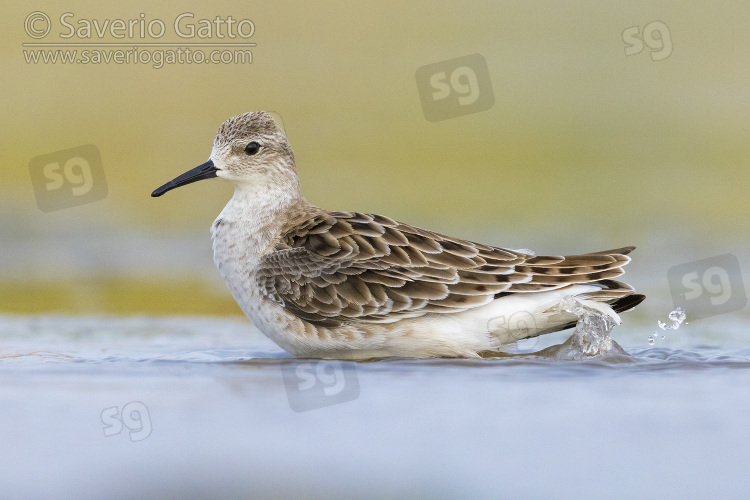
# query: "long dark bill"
205 171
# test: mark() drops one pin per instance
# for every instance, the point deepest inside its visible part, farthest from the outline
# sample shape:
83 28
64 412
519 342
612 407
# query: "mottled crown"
250 125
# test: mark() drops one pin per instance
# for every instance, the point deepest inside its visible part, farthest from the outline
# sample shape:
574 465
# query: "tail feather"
620 305
627 303
557 272
620 251
617 295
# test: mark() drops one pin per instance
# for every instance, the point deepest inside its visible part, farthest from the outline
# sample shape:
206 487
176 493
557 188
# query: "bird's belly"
428 336
461 334
268 317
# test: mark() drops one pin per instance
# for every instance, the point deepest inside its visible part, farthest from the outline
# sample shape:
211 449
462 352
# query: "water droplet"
677 316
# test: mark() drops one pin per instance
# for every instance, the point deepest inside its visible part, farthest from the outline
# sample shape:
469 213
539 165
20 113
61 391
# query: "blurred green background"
585 148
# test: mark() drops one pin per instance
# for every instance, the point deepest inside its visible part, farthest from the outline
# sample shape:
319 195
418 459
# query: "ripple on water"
39 340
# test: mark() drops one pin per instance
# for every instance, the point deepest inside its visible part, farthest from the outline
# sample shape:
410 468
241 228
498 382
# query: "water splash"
591 338
677 317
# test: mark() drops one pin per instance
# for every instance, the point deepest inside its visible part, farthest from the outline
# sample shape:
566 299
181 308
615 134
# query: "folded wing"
334 267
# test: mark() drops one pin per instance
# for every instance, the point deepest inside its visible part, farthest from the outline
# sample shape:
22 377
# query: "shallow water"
210 407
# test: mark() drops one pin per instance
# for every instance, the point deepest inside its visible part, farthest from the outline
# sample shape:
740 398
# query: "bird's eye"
252 148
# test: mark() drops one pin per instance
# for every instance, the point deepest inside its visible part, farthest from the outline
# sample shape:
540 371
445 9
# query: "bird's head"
249 150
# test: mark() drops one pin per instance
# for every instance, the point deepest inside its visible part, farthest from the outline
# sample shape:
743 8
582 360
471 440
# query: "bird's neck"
257 213
267 200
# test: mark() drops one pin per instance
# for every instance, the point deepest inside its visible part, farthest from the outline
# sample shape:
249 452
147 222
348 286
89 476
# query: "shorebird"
348 285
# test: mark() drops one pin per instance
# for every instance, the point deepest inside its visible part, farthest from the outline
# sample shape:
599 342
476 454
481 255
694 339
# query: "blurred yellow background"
585 147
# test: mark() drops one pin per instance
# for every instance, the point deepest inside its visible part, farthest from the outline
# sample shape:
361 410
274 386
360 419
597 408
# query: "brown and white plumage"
336 267
352 285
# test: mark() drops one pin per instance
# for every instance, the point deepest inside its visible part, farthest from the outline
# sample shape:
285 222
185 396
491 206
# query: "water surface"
210 412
